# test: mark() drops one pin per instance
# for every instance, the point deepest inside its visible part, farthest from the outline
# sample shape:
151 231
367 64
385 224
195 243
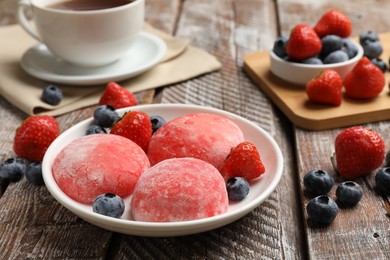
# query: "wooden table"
34 225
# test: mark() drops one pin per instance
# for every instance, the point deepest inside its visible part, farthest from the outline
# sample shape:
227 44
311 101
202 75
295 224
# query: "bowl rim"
357 57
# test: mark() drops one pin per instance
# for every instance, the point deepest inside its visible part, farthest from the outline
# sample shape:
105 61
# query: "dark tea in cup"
88 5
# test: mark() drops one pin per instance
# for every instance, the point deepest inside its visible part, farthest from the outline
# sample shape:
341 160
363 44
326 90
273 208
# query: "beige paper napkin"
180 63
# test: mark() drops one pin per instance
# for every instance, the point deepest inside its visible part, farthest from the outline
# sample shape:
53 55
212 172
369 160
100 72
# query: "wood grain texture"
362 232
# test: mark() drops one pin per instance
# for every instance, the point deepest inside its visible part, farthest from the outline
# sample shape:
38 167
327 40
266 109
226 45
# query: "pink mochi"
179 190
100 163
204 136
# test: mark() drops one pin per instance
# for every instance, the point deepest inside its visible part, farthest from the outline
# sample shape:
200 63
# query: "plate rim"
97 79
161 229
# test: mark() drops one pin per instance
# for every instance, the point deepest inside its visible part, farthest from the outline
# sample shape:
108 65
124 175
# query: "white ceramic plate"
261 187
146 52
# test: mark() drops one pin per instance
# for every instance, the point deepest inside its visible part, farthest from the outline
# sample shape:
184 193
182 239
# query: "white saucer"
146 52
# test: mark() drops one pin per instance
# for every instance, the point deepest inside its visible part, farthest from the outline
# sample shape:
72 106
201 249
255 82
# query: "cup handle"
26 25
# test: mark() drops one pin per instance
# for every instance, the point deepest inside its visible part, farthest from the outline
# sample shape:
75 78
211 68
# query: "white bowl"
300 74
261 187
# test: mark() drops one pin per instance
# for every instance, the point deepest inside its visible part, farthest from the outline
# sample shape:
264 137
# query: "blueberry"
349 48
322 209
349 193
318 182
109 205
280 46
34 173
52 95
105 115
313 61
336 57
372 49
331 43
157 122
368 36
382 179
95 129
12 169
380 64
237 188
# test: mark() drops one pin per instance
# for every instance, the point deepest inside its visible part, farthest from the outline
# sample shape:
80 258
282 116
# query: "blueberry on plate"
318 182
336 57
105 116
12 169
109 204
95 129
279 47
322 210
382 179
349 193
331 43
52 95
349 47
237 188
380 64
157 122
34 173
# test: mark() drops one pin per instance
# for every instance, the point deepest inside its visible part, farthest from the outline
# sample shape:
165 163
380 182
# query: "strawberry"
243 161
364 81
303 42
34 136
326 88
117 96
136 126
358 151
333 22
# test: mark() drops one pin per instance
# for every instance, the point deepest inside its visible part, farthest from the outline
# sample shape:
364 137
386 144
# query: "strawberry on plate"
358 151
136 126
326 88
364 81
333 22
243 161
117 96
34 136
303 42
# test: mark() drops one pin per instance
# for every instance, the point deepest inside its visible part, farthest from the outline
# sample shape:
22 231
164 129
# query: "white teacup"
85 38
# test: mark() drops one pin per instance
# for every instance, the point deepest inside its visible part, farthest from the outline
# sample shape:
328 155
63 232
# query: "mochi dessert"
204 136
100 163
179 189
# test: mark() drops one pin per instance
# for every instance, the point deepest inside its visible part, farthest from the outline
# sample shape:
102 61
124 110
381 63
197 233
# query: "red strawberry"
243 161
136 126
364 81
333 22
34 136
303 42
117 96
359 151
326 88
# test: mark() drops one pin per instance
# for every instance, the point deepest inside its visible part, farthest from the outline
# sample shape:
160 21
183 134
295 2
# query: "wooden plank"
362 232
228 30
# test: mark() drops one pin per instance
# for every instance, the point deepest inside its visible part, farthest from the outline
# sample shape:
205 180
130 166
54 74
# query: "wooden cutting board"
293 101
